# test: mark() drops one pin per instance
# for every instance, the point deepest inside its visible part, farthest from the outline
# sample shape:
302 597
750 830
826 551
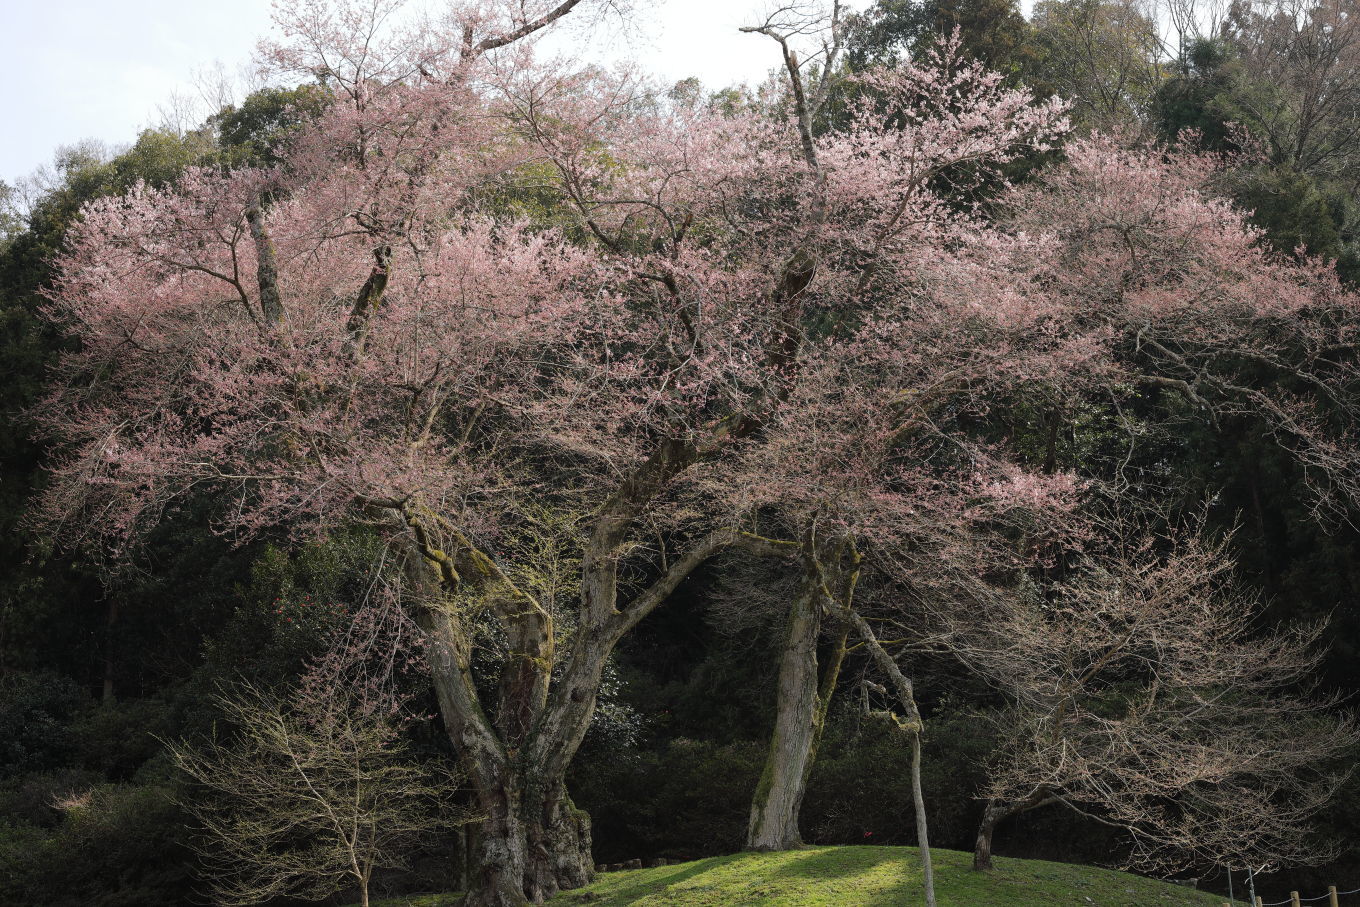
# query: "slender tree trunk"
982 850
912 725
364 879
922 826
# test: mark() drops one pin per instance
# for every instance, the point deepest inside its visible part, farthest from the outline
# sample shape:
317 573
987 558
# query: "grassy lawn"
863 877
855 876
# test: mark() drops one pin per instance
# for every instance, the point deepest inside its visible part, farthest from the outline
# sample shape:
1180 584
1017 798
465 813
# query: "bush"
117 738
115 846
32 799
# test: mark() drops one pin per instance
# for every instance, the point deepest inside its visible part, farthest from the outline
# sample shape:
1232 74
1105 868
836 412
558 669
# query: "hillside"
866 877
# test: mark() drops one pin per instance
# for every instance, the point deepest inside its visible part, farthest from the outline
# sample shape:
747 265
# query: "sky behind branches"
99 69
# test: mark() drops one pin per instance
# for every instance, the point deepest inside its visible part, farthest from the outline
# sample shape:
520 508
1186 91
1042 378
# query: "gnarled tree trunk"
533 841
531 847
559 846
498 880
502 877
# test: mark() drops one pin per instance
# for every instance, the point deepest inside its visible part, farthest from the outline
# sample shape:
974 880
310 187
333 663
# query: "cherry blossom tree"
365 333
1172 296
839 456
1151 287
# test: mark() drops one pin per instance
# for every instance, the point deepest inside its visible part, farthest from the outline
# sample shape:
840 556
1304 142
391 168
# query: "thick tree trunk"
533 840
498 879
802 700
559 851
466 844
774 811
530 847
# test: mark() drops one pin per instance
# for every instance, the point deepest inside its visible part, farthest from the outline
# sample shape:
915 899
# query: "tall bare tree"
1301 59
1102 55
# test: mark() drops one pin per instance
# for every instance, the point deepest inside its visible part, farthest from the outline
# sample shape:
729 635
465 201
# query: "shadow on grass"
856 865
645 882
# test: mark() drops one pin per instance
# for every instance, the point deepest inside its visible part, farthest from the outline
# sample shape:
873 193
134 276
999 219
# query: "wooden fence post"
1259 902
1331 896
1294 899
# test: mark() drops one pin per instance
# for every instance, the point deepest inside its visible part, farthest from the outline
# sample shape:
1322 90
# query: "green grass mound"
865 876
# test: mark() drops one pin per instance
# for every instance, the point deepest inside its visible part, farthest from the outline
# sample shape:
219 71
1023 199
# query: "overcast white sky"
75 69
